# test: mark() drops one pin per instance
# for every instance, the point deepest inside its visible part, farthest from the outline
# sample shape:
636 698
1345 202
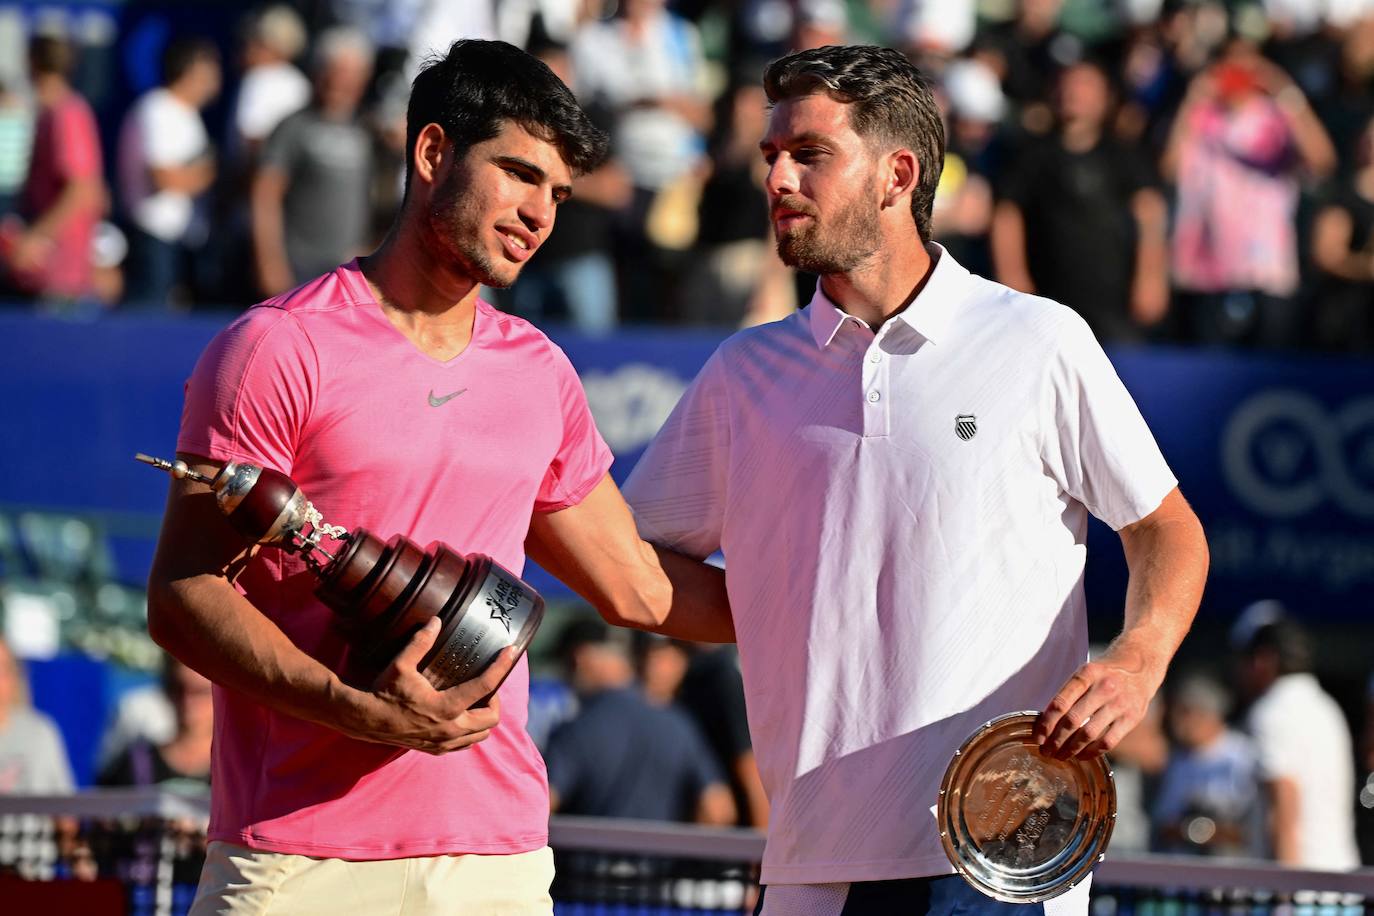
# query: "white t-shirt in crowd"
903 516
159 131
266 96
1302 735
657 146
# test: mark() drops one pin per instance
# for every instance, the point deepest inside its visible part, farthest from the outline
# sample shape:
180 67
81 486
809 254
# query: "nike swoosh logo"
440 402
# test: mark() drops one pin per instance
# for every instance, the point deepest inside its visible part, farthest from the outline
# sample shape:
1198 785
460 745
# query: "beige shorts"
237 881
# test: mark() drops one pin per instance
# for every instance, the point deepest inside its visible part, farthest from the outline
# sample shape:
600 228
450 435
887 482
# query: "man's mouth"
784 218
518 243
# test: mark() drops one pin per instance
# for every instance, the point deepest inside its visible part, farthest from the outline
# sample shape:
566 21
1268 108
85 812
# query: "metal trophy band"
381 592
1017 825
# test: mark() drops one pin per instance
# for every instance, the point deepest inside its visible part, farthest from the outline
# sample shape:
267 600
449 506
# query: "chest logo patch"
440 402
966 426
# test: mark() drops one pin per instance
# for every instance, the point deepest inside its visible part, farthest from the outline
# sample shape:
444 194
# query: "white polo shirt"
903 517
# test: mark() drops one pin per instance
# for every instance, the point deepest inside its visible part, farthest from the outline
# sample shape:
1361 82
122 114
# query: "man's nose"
782 177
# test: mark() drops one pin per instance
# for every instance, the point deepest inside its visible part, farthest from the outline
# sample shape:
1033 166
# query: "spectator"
974 106
712 692
574 275
1079 197
1366 797
1209 798
1306 758
646 66
734 236
49 255
622 756
271 87
16 141
1237 152
1028 53
165 164
311 192
33 757
661 664
144 713
183 762
1343 258
1137 763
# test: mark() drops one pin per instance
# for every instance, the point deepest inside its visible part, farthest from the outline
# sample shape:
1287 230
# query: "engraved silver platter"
1017 825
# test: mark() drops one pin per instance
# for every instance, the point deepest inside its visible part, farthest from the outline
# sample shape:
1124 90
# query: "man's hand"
1103 701
31 253
1100 704
412 714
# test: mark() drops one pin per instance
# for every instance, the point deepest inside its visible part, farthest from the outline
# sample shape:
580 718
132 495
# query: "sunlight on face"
822 186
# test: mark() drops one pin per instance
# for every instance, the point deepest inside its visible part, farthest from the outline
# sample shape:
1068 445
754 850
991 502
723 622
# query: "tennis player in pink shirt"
402 403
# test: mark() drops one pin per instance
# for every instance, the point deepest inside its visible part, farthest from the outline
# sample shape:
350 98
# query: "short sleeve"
1279 755
678 490
279 151
169 137
265 98
583 458
251 393
701 769
1098 447
1018 181
78 141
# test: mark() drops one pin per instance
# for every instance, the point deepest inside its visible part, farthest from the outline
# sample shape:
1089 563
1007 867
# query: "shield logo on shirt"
965 426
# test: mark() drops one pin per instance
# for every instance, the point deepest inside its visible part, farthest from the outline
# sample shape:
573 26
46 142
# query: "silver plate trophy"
1017 825
381 592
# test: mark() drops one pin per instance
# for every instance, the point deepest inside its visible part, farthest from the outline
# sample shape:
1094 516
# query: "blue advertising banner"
1276 454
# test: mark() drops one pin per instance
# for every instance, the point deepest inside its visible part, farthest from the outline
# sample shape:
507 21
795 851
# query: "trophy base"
384 592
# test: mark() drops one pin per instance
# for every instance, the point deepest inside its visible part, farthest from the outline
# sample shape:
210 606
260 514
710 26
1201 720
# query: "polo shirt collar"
929 314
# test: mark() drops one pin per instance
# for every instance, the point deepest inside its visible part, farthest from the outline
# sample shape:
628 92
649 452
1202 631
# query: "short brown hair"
889 99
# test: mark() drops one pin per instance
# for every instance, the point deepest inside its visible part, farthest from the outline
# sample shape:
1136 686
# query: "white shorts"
237 881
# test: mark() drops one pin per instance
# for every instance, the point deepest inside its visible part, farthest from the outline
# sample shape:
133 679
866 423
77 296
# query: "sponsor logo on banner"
1285 454
630 403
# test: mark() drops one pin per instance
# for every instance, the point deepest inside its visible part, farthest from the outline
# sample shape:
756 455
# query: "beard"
455 231
836 246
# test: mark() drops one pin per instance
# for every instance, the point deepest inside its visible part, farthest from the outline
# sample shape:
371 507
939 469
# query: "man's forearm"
1106 698
1284 802
79 195
207 624
1167 558
595 549
700 608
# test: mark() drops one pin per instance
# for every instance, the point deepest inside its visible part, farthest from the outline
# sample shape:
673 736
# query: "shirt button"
874 397
875 357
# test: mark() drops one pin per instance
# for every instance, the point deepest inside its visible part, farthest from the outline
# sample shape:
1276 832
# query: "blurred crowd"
1245 757
1176 170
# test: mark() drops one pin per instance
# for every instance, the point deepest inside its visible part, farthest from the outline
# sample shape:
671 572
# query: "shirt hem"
837 872
376 853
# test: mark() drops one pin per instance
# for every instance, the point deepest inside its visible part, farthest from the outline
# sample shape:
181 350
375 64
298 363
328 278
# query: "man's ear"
903 172
431 146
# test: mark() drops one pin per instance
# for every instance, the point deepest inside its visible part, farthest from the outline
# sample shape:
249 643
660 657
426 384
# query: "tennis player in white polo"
900 477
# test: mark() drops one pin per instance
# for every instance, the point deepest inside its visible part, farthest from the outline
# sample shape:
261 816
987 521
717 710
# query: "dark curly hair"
474 89
888 98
